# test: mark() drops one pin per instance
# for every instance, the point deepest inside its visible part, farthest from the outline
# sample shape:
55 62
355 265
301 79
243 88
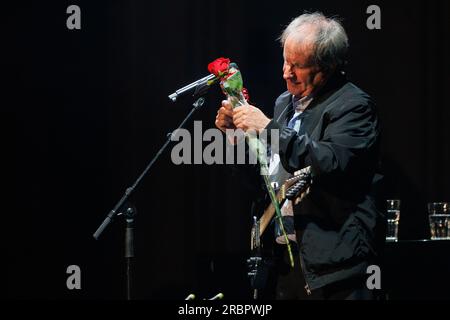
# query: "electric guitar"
293 189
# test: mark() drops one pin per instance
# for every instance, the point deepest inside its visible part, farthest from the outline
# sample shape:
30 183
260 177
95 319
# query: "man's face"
301 75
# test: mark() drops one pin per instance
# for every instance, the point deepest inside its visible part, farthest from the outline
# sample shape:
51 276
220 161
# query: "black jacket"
339 227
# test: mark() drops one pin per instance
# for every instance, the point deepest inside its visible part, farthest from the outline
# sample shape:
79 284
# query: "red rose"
219 66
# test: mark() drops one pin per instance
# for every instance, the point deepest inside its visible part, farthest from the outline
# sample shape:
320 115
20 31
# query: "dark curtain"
85 110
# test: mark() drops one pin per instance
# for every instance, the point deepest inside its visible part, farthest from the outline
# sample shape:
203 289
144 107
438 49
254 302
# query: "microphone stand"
129 247
130 211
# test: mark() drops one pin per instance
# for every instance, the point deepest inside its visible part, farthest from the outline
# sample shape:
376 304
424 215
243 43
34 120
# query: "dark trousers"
290 283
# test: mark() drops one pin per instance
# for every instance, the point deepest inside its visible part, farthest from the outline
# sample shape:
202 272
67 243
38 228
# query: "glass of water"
439 219
393 219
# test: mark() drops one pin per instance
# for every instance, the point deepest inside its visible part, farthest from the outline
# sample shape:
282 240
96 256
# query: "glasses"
439 220
393 219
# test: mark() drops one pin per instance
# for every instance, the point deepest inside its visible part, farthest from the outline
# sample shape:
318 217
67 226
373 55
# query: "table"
416 269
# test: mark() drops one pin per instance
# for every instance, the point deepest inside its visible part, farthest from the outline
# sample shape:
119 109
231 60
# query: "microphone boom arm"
109 218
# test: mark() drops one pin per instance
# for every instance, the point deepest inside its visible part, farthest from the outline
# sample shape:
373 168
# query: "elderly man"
327 123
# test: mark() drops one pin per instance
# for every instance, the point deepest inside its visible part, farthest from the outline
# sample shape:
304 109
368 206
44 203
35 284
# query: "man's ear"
328 71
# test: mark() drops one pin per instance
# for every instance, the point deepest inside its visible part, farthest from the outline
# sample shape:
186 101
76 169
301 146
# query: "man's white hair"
326 36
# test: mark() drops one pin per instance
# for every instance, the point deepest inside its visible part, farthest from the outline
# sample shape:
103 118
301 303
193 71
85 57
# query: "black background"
85 110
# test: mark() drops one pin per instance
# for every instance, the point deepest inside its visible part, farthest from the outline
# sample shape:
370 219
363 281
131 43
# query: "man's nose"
287 73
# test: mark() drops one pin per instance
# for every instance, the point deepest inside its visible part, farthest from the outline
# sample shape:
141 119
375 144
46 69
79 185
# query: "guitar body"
261 263
263 245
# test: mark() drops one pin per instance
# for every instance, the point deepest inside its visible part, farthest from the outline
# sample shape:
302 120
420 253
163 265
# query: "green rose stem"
258 148
232 85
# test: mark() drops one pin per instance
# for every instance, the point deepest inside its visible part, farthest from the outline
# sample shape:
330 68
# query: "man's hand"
249 117
224 118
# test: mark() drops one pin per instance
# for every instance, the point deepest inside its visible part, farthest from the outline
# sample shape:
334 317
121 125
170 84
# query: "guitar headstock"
299 176
297 191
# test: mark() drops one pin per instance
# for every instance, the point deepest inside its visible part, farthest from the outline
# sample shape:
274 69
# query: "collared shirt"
299 106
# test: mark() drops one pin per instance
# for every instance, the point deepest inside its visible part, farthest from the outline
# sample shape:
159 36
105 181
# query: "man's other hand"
224 118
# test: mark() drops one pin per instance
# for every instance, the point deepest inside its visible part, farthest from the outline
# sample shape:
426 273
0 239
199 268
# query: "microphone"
218 296
197 86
